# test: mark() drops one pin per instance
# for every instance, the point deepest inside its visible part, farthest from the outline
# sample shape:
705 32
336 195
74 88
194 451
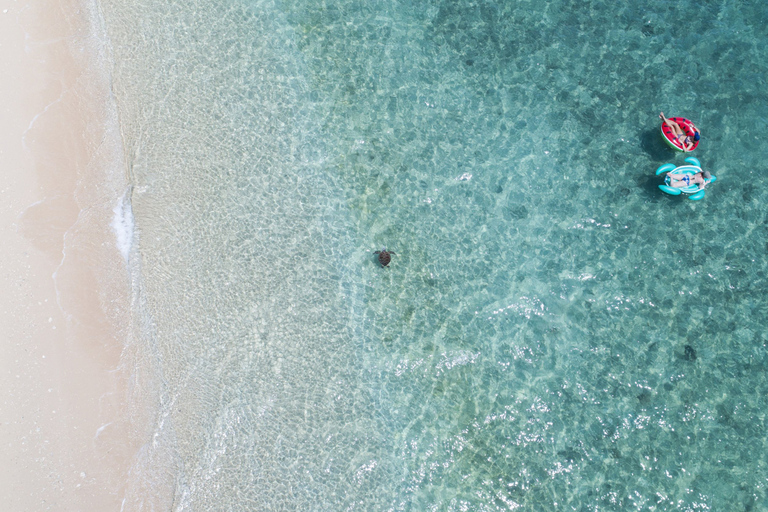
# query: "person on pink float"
685 140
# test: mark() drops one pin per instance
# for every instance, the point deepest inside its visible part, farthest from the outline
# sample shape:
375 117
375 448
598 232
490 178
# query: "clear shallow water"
553 333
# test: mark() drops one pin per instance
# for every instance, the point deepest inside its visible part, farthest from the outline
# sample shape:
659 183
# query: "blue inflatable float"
693 191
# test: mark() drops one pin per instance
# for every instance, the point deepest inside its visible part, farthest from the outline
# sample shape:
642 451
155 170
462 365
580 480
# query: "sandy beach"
66 439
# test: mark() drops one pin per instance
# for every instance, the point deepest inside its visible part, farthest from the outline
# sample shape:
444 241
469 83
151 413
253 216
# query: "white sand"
66 439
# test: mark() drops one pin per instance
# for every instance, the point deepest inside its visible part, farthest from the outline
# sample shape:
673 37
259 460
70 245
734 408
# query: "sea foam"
123 225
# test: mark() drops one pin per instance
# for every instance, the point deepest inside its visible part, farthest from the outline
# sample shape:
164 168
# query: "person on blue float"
685 140
685 180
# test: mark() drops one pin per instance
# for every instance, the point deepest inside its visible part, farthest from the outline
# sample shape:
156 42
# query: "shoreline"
67 431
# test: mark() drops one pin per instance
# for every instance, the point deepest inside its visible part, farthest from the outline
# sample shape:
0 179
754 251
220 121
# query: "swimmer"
685 180
682 138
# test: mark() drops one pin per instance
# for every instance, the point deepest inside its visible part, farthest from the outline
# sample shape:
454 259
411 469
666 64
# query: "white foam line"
34 119
101 428
67 316
61 263
24 211
123 225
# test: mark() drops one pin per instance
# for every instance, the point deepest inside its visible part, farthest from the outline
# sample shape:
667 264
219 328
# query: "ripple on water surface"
552 332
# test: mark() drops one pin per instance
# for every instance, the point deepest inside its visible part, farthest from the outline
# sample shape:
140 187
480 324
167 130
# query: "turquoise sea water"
553 333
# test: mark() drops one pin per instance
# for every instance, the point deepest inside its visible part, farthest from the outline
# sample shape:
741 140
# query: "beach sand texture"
64 428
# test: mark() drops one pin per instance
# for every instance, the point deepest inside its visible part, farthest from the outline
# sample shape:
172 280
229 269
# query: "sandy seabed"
67 432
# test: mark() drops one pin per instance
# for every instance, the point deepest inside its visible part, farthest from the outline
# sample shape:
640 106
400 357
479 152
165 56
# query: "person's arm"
693 127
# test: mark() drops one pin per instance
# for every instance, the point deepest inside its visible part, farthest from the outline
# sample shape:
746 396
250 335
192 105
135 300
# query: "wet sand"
67 436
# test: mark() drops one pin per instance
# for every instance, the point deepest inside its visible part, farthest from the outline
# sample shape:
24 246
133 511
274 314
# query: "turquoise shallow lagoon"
553 333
